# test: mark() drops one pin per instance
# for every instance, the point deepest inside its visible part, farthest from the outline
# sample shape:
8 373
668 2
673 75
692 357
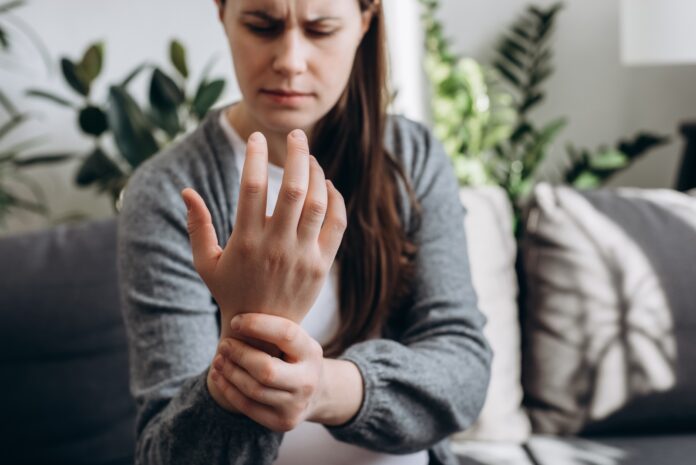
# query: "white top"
311 443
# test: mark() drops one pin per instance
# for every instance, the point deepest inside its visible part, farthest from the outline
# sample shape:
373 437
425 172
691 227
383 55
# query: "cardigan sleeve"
171 323
432 381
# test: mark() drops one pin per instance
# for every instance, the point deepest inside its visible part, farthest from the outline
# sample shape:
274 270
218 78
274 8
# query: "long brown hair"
376 254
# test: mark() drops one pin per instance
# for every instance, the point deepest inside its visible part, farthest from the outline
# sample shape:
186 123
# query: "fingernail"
256 137
188 204
299 134
234 324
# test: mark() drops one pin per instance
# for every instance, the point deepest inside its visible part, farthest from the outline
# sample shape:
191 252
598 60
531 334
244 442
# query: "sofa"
559 394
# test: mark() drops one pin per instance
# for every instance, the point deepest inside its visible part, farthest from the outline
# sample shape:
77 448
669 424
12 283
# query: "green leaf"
177 55
608 160
97 167
93 121
522 129
521 32
587 180
133 74
641 144
513 45
537 151
165 95
530 102
132 132
206 96
75 77
50 96
539 75
512 58
168 121
507 73
92 60
48 159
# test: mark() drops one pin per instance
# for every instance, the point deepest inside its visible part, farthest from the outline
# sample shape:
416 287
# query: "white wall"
602 99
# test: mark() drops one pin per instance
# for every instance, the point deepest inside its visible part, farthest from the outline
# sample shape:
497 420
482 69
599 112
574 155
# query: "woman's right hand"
271 264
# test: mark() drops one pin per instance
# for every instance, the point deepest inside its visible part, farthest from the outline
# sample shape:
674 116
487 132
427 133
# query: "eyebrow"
263 15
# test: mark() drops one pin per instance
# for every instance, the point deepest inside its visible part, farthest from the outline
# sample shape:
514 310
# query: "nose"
290 59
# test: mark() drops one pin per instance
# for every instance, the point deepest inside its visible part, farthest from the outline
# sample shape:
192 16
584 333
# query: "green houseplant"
497 141
138 131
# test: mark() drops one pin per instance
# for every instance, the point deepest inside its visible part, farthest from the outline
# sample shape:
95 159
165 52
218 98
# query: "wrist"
340 393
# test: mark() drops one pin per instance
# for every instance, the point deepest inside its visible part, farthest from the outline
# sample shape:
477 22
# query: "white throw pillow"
492 252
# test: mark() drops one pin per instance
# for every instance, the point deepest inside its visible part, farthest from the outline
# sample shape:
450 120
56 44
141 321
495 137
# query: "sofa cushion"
492 254
610 326
63 350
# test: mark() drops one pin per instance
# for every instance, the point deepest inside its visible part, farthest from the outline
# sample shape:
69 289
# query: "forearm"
341 395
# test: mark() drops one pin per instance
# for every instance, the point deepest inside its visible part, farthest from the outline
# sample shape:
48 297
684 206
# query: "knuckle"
252 186
291 331
287 423
257 392
310 270
277 257
316 273
268 373
294 192
307 388
338 222
246 246
316 207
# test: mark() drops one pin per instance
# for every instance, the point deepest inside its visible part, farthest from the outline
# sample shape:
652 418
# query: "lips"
286 93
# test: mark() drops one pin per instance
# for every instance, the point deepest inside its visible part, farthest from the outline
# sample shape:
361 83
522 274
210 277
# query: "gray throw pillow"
63 352
610 320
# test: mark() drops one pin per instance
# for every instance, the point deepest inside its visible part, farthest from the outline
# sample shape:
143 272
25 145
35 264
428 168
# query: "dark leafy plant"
524 57
138 131
520 146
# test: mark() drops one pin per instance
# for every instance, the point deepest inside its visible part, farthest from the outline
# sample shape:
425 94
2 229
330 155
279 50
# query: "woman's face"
292 58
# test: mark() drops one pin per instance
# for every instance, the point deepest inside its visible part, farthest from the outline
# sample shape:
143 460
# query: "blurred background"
571 127
597 98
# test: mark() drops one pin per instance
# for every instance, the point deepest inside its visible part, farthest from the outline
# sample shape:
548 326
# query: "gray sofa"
65 395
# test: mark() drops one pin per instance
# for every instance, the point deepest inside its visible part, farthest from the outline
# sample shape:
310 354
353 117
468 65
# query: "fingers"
204 243
287 335
334 223
315 205
260 413
249 386
293 189
251 208
269 371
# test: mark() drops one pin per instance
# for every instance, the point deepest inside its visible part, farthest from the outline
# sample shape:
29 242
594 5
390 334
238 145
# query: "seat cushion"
63 352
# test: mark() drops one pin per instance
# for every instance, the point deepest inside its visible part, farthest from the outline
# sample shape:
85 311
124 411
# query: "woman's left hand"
279 394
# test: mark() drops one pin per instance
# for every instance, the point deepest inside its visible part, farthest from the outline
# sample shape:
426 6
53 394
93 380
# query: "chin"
285 121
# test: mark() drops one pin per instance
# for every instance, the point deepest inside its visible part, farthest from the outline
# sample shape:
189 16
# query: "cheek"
334 69
248 63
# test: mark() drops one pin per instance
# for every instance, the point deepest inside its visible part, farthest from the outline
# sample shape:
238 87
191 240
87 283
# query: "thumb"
204 243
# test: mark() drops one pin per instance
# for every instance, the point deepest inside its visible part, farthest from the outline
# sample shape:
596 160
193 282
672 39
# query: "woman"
327 327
